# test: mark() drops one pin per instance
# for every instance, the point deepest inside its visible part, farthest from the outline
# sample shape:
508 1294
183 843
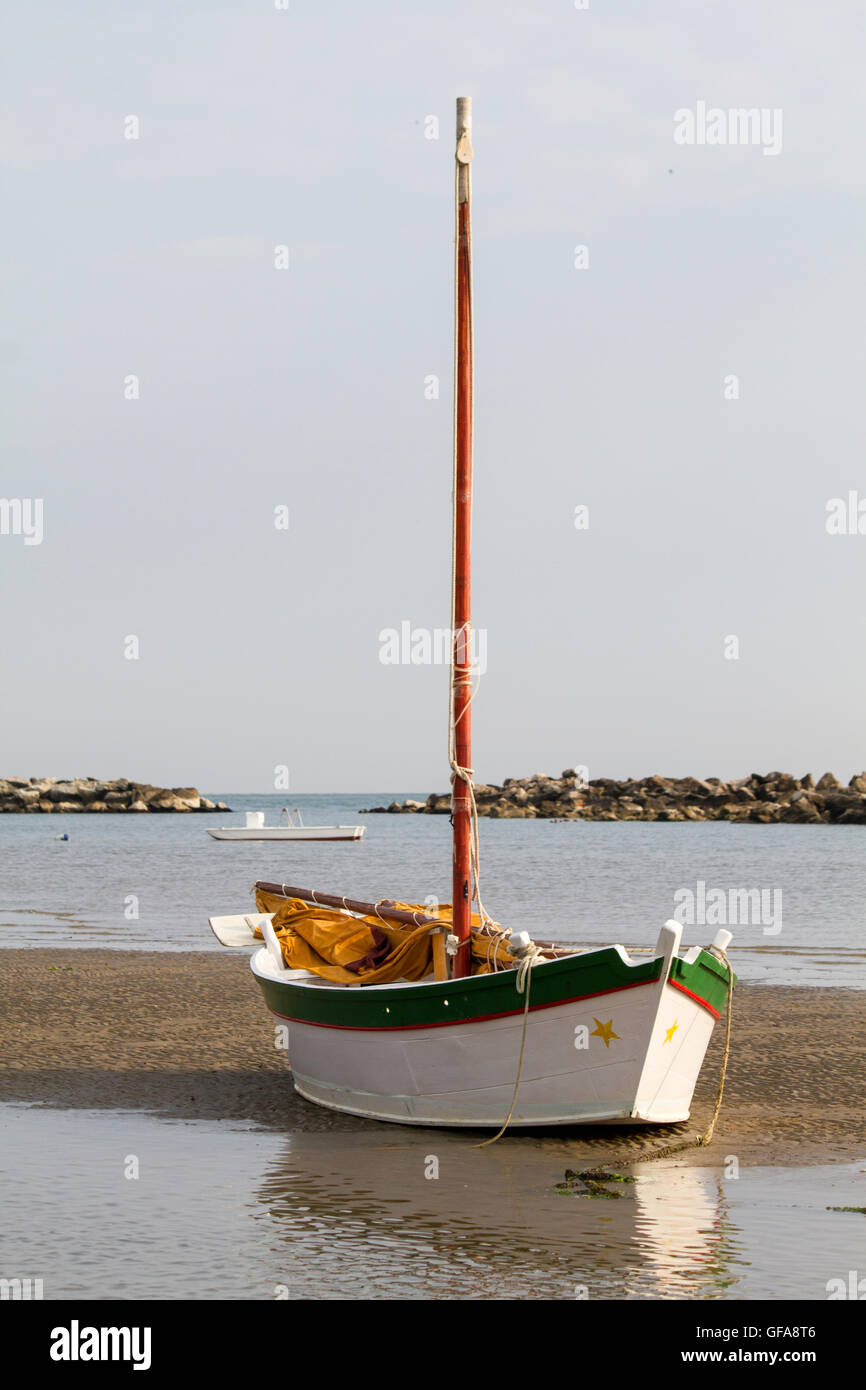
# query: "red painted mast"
461 752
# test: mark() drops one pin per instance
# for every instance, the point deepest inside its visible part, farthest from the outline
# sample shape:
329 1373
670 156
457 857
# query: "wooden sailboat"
498 1028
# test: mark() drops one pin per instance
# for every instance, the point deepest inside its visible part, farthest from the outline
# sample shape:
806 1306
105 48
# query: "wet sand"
187 1035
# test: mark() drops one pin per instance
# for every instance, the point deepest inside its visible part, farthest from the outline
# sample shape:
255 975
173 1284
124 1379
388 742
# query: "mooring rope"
527 960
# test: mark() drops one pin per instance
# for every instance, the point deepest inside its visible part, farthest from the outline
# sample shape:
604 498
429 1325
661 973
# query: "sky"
694 378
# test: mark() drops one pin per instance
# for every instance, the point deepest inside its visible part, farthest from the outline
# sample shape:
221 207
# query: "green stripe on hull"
706 977
455 1001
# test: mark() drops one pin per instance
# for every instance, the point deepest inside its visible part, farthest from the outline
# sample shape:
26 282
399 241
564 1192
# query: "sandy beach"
187 1035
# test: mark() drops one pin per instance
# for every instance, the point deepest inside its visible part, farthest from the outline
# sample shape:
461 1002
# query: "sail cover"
353 950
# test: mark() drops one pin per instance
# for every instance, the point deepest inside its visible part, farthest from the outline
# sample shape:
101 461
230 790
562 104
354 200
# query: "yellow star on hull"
604 1031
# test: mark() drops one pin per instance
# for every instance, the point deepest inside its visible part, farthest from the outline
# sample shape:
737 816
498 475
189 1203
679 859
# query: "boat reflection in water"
354 1215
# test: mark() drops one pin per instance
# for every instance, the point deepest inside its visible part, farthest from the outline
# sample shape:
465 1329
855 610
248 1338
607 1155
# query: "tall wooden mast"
461 693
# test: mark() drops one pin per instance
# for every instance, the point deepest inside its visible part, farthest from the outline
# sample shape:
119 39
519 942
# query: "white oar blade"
239 930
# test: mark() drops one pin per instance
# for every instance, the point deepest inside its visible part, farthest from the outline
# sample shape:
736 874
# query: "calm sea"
792 895
224 1211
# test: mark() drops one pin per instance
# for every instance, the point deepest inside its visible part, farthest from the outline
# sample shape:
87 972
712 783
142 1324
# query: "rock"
858 783
827 783
693 786
63 791
568 800
27 795
799 812
139 806
780 785
743 792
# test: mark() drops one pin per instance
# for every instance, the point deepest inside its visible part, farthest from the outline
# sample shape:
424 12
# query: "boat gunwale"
362 1006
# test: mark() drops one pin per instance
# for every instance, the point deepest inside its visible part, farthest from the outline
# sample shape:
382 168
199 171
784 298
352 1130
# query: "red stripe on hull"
697 998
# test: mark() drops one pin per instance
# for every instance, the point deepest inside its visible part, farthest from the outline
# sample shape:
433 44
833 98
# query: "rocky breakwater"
48 794
774 797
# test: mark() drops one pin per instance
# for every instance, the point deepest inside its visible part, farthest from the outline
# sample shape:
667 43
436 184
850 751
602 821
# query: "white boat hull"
630 1054
421 1080
291 832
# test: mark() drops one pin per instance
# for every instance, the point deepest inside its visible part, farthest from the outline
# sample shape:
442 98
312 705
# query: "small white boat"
294 829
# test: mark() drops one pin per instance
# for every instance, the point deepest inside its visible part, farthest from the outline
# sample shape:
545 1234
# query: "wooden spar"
383 909
462 503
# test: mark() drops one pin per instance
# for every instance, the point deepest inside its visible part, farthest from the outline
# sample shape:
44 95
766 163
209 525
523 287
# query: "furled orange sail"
354 950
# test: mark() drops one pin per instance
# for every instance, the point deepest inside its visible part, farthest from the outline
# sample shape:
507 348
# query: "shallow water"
150 882
224 1211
